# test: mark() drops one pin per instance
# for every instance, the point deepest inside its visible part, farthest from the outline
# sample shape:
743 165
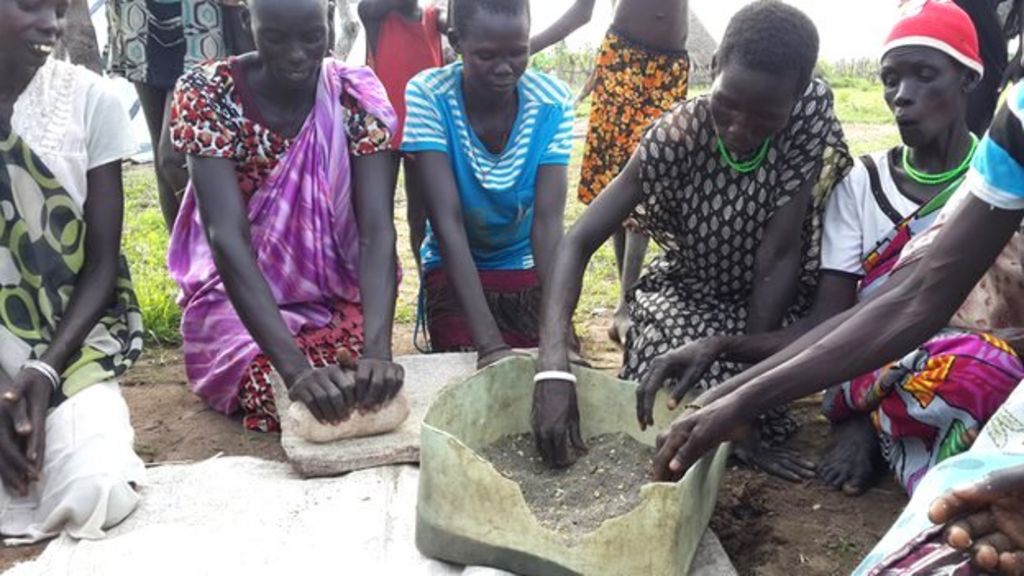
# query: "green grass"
860 102
145 247
859 106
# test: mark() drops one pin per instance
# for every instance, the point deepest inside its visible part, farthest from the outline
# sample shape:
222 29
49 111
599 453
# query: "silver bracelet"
44 369
555 375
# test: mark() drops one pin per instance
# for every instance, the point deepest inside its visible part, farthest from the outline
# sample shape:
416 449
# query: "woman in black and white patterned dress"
732 187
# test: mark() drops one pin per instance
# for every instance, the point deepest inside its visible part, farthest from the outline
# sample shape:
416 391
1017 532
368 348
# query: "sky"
848 29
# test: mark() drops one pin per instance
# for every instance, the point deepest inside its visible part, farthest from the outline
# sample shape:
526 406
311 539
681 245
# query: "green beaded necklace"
943 177
749 165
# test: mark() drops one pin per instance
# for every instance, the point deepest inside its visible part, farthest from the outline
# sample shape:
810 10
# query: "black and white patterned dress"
709 220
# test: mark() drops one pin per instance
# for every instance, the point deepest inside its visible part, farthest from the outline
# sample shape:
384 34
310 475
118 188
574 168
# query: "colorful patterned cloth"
916 547
924 404
154 41
513 297
42 233
340 342
214 115
880 262
634 85
304 235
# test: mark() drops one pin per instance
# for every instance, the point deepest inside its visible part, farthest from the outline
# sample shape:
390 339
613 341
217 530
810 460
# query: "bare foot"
781 462
620 326
853 462
987 518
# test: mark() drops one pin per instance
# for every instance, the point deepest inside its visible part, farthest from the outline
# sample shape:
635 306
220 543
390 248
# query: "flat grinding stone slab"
425 375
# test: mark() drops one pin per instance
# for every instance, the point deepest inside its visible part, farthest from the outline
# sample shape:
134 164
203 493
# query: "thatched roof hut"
701 46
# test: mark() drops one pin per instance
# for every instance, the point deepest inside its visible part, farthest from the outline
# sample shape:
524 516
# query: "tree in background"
78 43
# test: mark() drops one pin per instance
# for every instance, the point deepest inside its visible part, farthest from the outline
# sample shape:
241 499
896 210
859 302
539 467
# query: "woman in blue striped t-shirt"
491 141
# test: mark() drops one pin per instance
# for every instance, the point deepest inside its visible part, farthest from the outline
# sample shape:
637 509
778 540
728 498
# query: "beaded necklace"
746 166
942 177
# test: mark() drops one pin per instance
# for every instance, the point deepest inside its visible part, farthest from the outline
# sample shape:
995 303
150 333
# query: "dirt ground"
768 526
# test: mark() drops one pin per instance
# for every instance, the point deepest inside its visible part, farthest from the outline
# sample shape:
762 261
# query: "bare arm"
688 363
94 290
588 87
378 379
576 16
548 218
374 192
593 228
227 229
29 392
836 293
444 210
913 305
777 264
897 321
555 417
371 13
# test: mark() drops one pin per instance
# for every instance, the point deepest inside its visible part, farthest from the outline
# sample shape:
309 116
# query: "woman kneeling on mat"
286 241
491 141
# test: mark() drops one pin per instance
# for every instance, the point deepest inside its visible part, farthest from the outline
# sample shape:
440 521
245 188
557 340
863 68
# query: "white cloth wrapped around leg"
88 470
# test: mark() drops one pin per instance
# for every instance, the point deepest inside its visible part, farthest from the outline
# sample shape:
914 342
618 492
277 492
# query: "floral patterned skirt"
340 342
635 84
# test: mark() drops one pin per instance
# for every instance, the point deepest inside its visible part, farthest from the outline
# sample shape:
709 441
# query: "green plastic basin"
468 513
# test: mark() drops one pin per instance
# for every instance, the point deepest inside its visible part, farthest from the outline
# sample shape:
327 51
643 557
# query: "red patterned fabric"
213 116
340 342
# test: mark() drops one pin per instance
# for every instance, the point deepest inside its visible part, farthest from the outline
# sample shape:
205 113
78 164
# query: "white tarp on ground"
248 516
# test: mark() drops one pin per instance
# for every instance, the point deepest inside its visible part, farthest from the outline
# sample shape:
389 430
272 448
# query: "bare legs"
630 249
416 212
171 174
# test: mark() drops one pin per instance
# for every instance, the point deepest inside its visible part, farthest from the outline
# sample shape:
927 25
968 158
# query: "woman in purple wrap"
285 241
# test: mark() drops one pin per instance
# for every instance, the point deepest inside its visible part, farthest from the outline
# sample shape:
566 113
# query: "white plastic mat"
248 516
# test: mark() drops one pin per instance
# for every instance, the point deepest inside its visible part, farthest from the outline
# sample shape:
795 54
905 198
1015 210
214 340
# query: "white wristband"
554 375
46 370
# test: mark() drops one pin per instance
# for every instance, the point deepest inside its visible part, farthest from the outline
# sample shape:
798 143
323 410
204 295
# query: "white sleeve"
107 126
842 243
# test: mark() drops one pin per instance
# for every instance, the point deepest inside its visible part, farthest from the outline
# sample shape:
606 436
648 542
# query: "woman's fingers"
20 418
693 373
364 378
576 438
397 378
645 396
15 469
334 387
1011 563
988 550
963 533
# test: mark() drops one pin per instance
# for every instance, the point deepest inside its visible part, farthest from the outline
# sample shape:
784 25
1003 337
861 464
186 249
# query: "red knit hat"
938 24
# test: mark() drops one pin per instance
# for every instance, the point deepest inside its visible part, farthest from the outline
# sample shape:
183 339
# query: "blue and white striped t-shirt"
496 190
997 172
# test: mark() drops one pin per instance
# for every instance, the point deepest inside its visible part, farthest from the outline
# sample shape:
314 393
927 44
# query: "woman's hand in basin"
556 422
